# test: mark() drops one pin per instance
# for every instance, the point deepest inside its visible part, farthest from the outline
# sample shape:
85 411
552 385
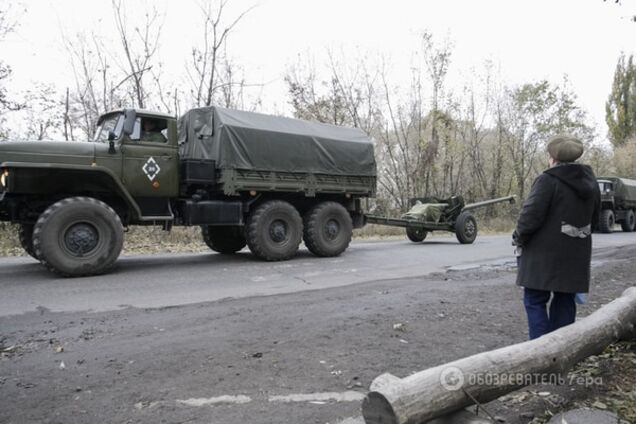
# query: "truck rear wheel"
78 236
629 223
25 234
466 228
224 239
416 235
328 229
606 221
274 231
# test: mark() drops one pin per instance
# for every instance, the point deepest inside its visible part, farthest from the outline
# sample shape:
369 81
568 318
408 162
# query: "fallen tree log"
486 376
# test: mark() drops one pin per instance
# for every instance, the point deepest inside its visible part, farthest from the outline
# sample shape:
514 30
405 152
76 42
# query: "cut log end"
377 410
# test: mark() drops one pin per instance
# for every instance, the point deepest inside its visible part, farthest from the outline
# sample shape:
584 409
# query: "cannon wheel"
466 228
416 235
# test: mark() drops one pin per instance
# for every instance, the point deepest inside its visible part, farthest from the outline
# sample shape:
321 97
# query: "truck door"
150 164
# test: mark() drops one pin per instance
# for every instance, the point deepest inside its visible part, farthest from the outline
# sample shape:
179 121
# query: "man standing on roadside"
553 237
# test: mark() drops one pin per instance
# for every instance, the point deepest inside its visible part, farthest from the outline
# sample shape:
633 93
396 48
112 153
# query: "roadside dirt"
134 365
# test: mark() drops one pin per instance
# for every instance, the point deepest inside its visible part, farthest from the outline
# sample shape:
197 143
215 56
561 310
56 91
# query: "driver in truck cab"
151 131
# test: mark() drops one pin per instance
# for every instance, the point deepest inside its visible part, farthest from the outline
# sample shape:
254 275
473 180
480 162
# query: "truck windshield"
109 123
605 187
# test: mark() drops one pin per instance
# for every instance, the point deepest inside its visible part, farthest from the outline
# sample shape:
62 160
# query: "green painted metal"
624 192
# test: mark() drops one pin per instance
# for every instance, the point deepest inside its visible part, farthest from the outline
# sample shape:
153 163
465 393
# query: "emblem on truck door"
151 168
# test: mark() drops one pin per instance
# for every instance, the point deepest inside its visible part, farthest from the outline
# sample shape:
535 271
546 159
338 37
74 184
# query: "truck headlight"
4 178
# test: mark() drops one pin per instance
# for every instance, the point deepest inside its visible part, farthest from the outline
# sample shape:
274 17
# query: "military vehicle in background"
245 178
618 204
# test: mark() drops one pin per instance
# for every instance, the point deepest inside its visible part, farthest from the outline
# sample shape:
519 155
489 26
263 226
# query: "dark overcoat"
554 230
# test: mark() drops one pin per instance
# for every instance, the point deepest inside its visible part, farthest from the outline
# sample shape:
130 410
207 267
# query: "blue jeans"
562 311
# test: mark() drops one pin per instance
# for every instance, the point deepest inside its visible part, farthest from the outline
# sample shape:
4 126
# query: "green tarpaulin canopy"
253 141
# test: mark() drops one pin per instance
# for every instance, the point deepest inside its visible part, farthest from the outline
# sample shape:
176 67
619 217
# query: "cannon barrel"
483 203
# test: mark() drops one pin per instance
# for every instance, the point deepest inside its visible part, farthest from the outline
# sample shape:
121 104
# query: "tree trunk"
486 376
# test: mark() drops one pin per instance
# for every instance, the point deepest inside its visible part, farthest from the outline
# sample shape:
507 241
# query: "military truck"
245 178
618 204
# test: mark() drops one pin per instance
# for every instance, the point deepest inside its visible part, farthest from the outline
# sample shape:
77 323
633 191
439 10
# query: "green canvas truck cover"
624 191
253 141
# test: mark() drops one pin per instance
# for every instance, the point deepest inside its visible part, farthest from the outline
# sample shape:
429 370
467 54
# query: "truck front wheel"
328 229
274 231
224 239
629 223
606 221
25 234
78 236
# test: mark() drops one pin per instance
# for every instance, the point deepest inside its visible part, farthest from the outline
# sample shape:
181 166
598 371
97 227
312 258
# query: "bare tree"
402 141
356 87
167 93
534 112
481 132
209 62
348 95
314 99
233 88
139 47
8 23
623 161
98 87
436 58
67 121
42 112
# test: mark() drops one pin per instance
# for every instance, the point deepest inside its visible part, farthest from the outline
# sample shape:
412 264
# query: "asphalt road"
179 279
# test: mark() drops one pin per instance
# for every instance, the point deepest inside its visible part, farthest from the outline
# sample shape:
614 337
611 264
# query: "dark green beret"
565 148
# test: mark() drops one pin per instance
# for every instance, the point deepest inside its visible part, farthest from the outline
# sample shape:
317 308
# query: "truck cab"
72 200
140 148
606 188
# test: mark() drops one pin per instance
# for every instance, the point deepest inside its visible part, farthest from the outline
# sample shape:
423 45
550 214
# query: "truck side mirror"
111 142
129 121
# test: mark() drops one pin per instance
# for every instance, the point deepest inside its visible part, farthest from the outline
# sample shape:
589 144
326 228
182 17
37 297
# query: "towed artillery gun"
431 214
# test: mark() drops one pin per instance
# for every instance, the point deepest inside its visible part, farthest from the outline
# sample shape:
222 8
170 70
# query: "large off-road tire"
25 234
224 239
606 221
629 223
416 235
78 236
328 229
274 231
466 228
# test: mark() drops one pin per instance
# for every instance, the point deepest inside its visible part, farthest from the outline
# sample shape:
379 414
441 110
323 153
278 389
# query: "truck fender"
98 172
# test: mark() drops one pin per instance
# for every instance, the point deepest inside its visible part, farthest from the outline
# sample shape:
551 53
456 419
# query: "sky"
526 40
